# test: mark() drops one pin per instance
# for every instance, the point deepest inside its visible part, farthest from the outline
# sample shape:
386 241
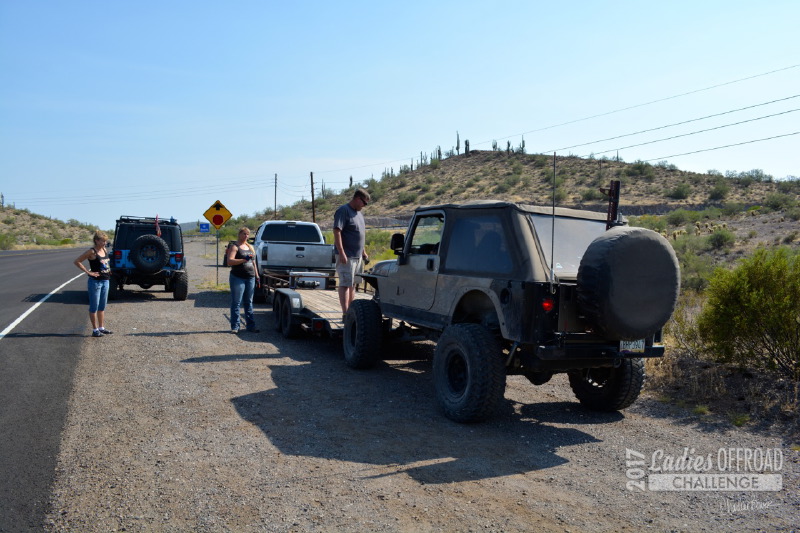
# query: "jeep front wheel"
608 389
468 373
362 334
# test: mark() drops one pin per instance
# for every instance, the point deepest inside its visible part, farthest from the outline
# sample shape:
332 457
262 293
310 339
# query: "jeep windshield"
572 238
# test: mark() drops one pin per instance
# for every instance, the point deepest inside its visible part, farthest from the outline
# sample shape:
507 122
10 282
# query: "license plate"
632 346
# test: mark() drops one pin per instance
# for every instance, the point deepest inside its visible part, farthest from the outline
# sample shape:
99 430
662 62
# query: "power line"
721 147
645 103
670 125
698 131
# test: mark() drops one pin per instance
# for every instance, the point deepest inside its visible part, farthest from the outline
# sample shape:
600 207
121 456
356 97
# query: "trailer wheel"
276 311
363 333
469 373
289 327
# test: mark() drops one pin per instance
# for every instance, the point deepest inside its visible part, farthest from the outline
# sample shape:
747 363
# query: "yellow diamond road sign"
217 214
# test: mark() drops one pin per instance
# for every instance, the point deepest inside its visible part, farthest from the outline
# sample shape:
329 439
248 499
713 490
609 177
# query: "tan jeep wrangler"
517 289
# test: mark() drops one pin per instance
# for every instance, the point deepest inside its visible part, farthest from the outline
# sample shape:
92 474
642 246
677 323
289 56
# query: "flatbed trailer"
308 302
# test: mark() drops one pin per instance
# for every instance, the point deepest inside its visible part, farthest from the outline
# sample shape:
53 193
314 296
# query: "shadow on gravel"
567 413
387 417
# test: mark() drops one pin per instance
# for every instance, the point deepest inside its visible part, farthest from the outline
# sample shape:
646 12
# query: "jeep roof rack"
147 220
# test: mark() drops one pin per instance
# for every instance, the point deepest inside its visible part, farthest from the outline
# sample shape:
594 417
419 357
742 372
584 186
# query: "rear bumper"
593 351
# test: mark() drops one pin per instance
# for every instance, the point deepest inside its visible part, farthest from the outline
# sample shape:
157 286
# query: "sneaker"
97 333
104 331
234 330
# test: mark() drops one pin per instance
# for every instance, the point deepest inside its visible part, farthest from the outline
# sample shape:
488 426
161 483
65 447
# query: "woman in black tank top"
99 273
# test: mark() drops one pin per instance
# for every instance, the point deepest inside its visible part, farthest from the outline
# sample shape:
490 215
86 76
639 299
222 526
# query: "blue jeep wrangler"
148 252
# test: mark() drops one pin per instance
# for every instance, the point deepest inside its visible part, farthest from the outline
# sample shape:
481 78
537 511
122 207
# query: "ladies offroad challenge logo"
726 470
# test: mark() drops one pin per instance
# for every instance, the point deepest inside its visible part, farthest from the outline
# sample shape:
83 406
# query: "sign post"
218 215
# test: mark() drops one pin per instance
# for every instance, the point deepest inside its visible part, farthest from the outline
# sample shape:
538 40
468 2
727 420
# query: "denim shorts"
98 294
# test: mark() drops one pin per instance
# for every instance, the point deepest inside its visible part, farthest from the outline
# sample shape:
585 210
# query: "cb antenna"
553 233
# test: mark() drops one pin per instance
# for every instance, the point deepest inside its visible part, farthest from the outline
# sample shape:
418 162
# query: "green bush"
752 316
719 191
720 239
7 241
653 222
680 192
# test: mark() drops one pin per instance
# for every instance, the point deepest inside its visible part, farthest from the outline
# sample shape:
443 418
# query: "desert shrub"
720 239
653 222
407 197
719 191
777 201
7 241
751 318
590 195
679 192
640 169
678 217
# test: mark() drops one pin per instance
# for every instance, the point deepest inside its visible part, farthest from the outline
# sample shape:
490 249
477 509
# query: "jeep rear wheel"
628 283
608 389
180 286
363 333
149 253
469 373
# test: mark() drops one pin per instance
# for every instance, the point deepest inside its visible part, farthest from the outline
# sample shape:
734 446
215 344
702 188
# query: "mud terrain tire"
149 253
180 286
628 283
468 373
608 389
363 333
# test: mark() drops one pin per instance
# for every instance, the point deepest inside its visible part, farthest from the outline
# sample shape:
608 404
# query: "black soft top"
524 208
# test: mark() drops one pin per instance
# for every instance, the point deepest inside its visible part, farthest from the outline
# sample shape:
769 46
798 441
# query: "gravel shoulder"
175 424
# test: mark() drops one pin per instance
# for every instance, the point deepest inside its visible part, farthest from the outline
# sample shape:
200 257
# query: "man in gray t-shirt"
348 238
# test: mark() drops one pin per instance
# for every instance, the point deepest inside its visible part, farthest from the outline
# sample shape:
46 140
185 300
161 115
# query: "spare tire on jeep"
149 253
628 283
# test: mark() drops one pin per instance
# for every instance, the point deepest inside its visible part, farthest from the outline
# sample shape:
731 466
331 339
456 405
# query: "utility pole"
275 199
313 208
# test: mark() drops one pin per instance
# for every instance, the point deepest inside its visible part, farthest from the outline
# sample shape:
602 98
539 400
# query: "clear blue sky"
145 108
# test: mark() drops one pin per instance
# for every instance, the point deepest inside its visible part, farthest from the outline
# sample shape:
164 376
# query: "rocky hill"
646 188
19 228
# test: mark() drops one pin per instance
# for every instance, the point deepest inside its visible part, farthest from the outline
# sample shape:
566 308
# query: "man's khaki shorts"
347 272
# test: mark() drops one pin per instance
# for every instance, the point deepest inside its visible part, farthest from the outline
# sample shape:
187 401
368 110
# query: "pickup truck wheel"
289 328
150 253
608 389
363 333
628 283
180 286
468 373
277 302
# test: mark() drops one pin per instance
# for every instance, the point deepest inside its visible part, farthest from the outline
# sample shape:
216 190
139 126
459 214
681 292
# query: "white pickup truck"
286 246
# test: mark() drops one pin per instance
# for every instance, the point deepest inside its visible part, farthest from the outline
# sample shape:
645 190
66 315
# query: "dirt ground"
177 425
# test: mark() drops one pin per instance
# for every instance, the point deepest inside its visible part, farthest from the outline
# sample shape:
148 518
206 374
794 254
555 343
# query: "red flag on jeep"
158 229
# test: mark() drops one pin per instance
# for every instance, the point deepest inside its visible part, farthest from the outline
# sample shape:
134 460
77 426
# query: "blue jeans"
98 295
242 294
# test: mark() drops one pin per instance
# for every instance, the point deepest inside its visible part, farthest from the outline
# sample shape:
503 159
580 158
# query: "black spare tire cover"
149 253
628 283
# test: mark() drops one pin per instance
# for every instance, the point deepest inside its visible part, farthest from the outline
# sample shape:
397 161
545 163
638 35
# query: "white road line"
37 304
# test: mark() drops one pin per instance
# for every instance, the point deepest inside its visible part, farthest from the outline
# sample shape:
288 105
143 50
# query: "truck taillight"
178 258
548 304
117 255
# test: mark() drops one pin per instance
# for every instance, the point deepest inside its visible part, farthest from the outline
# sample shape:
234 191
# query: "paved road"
37 360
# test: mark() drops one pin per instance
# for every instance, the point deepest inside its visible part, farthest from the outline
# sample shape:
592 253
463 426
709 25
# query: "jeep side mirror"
397 243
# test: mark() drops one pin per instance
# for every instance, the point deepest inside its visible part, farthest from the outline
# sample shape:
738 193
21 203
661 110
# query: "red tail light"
548 304
117 255
178 258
